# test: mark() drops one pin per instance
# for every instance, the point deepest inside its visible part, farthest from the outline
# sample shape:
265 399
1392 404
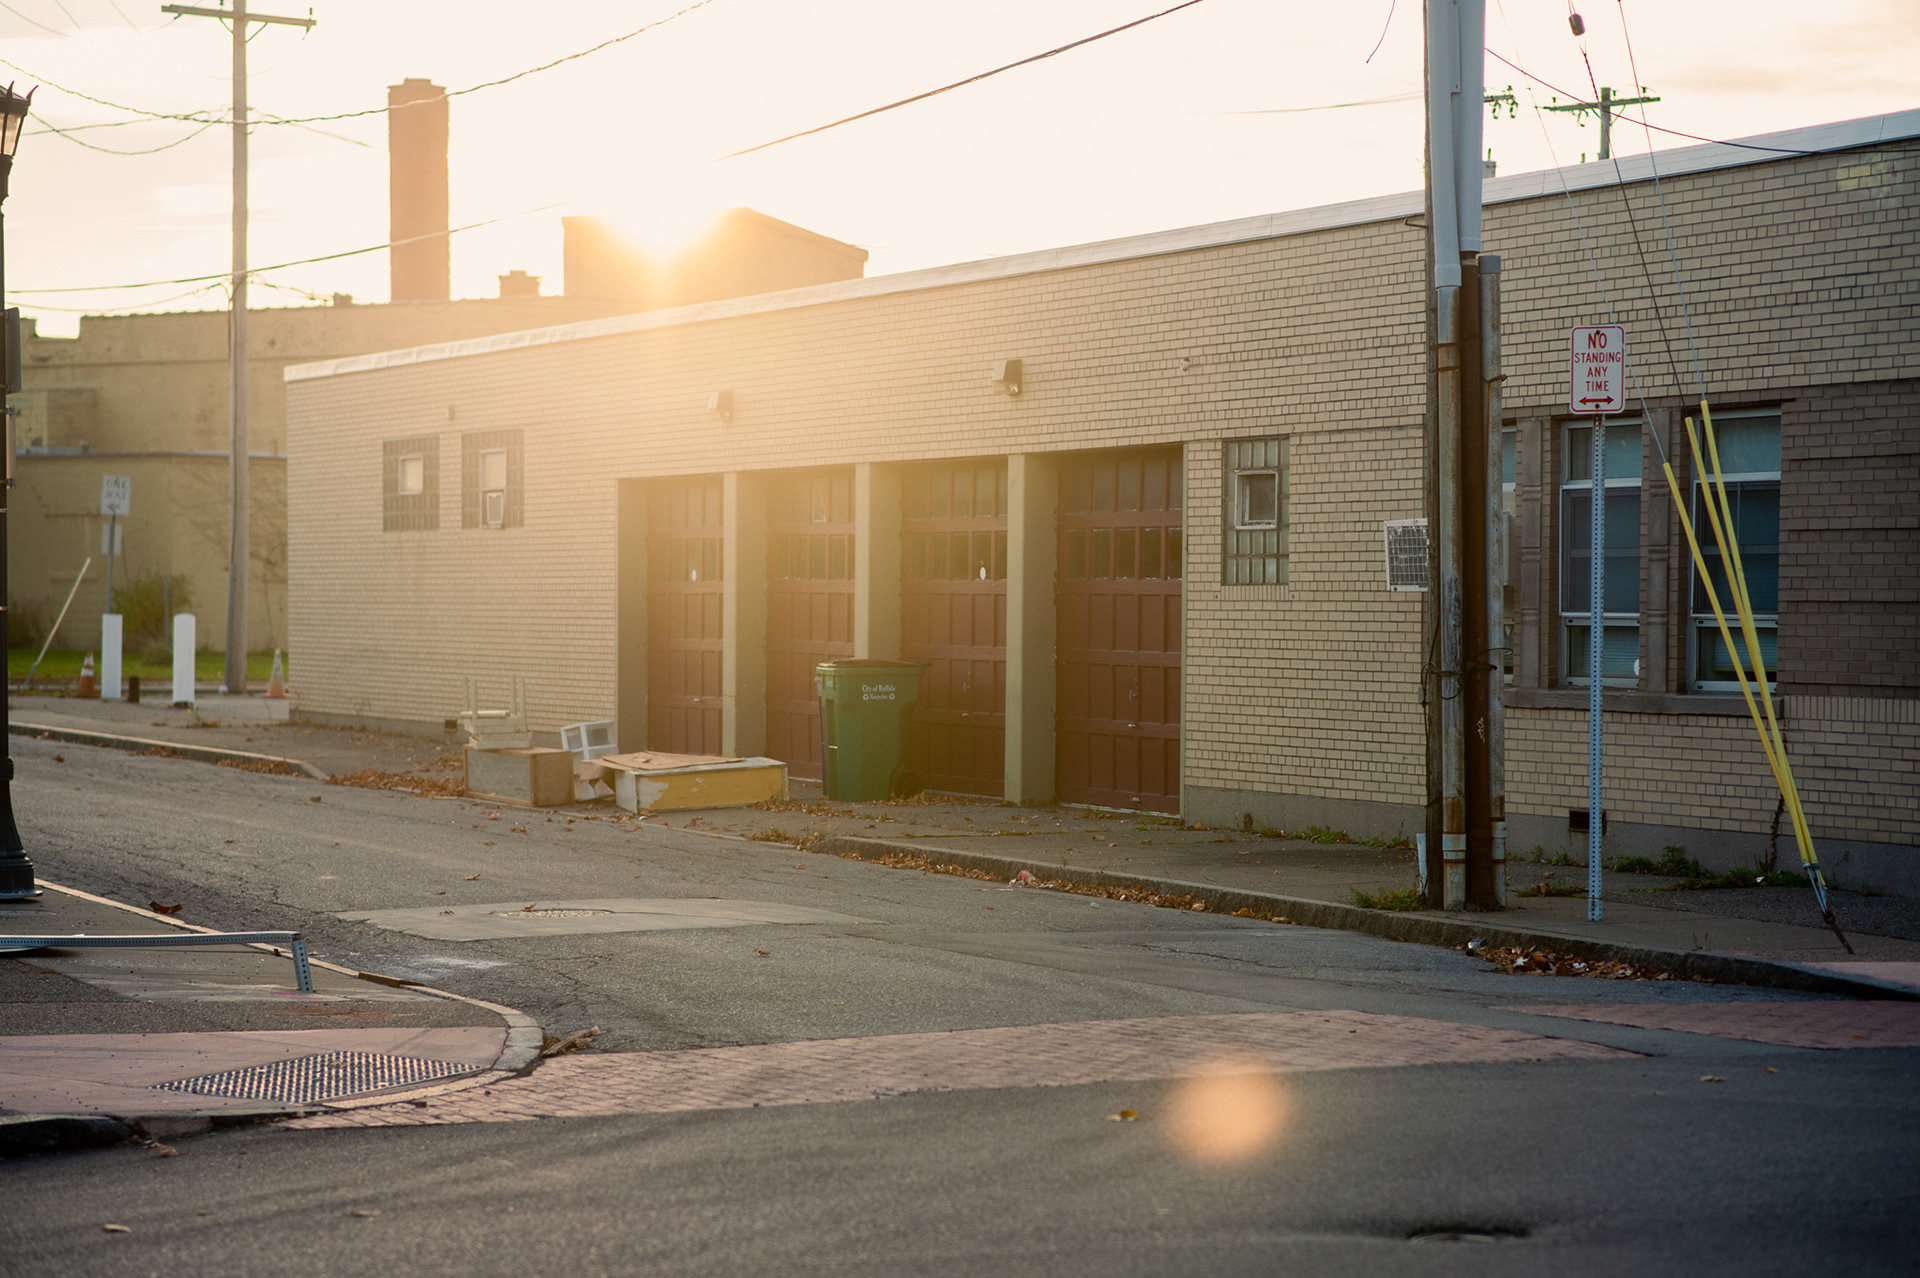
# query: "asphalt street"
1787 1161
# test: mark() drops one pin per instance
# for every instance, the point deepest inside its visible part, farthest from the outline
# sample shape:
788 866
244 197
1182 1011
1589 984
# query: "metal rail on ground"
302 971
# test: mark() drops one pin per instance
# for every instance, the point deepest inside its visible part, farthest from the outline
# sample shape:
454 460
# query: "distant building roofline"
1844 135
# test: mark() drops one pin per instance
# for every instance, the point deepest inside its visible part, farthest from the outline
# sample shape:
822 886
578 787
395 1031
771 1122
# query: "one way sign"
1597 381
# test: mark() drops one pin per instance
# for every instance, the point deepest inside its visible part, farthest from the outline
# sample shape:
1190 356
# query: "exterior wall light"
720 404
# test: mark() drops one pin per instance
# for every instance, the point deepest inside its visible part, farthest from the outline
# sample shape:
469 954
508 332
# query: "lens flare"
1228 1112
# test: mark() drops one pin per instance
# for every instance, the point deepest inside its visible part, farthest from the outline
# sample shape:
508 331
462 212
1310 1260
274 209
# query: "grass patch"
64 664
1544 888
1539 857
1384 841
1694 877
1400 898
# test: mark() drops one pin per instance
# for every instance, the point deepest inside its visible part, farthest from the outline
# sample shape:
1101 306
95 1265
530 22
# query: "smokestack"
417 192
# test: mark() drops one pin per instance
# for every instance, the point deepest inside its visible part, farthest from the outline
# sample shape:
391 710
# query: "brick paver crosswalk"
846 1069
1826 1023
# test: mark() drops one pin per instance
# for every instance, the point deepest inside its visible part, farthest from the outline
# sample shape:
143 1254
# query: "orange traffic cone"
87 688
277 681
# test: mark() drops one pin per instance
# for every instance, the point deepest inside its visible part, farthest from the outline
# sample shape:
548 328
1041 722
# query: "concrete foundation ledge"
113 741
1422 927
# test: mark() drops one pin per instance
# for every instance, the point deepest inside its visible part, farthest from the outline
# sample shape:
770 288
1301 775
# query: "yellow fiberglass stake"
1772 741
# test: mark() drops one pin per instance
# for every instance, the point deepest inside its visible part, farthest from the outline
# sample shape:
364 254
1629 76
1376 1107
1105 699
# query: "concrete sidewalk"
172 1040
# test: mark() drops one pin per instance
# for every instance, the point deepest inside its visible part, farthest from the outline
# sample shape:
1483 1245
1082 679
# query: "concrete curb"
1422 927
54 1133
108 740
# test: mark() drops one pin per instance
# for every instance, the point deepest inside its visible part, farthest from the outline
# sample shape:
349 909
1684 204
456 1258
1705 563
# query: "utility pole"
1606 106
1466 816
239 552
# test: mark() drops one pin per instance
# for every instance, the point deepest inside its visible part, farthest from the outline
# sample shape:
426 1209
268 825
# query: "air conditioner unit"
1406 548
495 513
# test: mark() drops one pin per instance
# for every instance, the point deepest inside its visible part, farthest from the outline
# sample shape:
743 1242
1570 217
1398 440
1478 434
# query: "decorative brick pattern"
853 1069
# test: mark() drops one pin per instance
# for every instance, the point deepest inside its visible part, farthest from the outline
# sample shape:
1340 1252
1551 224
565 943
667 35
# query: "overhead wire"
279 266
201 116
961 84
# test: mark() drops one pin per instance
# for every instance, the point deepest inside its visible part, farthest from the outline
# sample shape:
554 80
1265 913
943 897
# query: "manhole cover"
324 1076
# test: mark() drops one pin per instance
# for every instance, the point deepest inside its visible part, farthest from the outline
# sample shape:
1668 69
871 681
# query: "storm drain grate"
324 1076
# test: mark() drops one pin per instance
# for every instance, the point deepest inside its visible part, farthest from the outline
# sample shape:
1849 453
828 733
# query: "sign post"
116 501
1596 384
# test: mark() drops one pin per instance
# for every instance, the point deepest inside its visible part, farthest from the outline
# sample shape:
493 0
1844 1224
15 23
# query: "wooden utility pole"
1606 106
239 552
1461 688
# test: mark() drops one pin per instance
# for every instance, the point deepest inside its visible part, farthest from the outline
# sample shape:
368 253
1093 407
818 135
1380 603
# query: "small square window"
413 476
1259 504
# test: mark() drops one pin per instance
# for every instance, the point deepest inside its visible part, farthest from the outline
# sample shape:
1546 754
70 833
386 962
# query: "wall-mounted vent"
1406 549
496 509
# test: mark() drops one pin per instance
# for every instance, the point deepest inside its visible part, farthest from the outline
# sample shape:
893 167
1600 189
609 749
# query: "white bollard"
110 656
183 643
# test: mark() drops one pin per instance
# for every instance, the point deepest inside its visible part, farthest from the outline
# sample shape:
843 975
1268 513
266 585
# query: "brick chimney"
417 192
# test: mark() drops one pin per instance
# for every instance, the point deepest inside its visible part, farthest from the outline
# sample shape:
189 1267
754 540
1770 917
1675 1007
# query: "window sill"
1270 590
1623 701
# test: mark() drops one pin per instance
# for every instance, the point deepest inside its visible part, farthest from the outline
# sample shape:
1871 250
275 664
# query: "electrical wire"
961 84
200 116
1332 106
1384 28
64 35
152 150
304 261
1694 137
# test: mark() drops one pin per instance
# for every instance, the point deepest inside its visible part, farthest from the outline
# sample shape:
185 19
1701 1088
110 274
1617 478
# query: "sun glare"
1228 1113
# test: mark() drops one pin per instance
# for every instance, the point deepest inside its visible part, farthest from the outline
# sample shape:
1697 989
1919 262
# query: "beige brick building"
1128 498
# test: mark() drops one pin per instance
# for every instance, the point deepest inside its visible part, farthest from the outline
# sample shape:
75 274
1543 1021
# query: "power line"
960 84
305 261
65 35
1693 137
1332 106
201 117
152 150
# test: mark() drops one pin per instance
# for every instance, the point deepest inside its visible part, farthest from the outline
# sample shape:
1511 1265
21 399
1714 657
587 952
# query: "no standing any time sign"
1597 371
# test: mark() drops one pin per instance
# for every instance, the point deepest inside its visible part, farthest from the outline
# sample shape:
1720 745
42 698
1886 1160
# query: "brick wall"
1308 688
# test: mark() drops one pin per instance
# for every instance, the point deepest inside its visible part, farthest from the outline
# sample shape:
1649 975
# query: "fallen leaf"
313 798
1124 1116
115 1229
166 1151
1712 1078
470 878
446 911
575 1042
204 1211
527 908
1769 1069
364 1211
158 908
487 844
763 953
1859 1035
61 758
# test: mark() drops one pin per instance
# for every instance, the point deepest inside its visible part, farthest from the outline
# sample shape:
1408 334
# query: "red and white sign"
1597 372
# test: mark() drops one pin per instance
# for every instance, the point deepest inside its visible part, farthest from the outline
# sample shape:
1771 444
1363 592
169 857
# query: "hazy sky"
1144 131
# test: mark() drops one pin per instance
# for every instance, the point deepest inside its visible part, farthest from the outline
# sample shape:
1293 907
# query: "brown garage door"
809 605
953 613
683 617
1118 717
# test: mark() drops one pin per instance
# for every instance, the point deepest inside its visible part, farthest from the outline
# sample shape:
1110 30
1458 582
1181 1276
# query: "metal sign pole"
1595 641
1596 384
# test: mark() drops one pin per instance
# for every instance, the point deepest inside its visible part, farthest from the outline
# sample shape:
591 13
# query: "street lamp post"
16 870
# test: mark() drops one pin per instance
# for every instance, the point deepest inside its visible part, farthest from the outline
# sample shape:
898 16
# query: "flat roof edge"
1760 149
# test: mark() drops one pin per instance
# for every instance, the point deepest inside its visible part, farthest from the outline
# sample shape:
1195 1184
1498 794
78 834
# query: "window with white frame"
1749 448
490 469
410 484
1509 504
1619 550
1258 502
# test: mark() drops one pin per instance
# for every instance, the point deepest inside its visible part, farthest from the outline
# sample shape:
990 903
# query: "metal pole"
1496 570
16 868
238 552
1596 634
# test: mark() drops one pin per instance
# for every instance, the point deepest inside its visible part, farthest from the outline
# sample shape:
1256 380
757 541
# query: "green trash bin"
865 709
